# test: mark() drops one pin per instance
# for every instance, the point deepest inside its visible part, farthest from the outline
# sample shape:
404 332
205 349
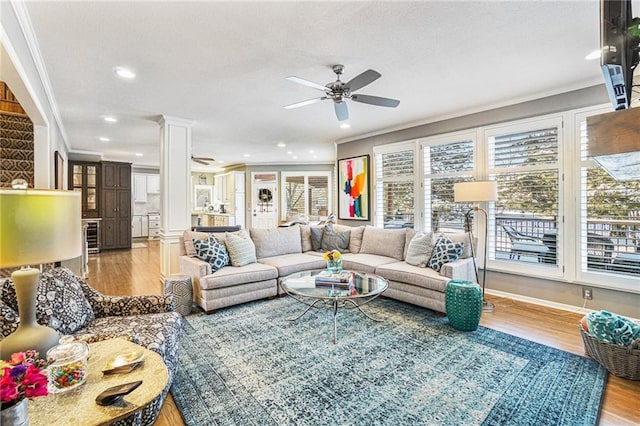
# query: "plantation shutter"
525 165
395 204
445 165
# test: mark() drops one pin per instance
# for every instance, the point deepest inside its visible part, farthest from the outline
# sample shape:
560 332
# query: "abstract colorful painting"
353 188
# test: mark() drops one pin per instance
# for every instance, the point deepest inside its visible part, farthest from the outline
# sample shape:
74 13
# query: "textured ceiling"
223 65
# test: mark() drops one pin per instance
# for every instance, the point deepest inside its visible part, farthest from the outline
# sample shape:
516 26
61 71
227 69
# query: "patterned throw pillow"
212 251
8 320
242 251
420 249
445 251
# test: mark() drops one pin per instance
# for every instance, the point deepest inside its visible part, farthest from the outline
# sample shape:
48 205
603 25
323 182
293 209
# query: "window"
395 201
525 163
444 165
306 194
609 220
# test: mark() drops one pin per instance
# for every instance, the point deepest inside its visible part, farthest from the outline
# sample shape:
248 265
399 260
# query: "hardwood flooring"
137 271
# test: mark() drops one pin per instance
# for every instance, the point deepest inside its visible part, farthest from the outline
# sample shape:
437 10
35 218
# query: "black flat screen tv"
619 43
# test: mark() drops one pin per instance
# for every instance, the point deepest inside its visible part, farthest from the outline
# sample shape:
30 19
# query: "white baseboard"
547 303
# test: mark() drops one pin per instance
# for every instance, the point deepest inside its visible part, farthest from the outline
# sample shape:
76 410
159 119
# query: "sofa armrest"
120 306
194 267
461 269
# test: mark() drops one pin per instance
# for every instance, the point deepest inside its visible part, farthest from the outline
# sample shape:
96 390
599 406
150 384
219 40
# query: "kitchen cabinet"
154 226
219 220
115 198
229 191
140 188
153 184
85 177
140 226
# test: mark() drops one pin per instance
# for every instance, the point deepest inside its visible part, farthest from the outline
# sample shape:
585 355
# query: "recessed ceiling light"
289 152
311 151
345 126
593 55
220 161
103 139
246 155
281 144
110 119
315 157
138 154
125 73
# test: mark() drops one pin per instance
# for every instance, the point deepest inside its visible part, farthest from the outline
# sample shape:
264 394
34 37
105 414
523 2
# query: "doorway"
264 199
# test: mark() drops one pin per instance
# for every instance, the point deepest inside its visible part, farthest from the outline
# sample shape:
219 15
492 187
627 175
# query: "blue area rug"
247 365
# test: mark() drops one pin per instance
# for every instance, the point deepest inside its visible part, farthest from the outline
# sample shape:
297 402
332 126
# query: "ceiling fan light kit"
339 91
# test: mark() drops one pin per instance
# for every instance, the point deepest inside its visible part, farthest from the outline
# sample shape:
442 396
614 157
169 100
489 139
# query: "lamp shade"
39 226
475 191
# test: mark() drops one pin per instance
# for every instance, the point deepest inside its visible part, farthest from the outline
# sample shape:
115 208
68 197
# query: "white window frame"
306 175
412 145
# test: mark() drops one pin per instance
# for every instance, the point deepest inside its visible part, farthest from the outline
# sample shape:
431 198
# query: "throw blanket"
613 328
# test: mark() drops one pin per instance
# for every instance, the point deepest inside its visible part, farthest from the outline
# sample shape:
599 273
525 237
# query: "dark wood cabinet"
84 177
115 198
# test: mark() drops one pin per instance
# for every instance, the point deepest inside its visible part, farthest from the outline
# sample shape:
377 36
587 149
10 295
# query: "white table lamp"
477 192
36 227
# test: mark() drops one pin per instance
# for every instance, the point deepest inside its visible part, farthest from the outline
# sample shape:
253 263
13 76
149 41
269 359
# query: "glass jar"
334 266
69 368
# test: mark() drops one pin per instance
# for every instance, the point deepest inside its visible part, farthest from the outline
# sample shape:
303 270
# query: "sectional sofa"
282 251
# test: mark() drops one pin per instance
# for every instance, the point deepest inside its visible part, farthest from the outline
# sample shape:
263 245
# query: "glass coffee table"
362 289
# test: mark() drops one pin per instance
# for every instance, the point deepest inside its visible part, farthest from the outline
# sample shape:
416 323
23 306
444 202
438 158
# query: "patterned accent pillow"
242 251
212 251
332 240
420 249
8 320
445 251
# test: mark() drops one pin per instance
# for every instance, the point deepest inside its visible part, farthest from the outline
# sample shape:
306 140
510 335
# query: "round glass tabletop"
350 285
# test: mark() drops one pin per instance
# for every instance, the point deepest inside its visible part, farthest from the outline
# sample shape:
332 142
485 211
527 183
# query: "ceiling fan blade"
197 160
375 100
359 81
307 83
303 103
342 112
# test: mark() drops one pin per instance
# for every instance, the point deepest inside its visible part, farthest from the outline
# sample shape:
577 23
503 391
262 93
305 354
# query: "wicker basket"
618 360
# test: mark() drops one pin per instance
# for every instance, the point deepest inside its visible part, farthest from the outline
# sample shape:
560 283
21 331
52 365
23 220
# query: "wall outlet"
587 294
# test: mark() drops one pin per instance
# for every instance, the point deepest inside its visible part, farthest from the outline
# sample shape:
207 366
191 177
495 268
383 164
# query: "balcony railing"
612 245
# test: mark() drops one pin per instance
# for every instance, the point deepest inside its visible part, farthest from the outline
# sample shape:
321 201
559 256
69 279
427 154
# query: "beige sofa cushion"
383 242
288 264
362 262
241 249
355 239
232 275
276 241
402 272
420 249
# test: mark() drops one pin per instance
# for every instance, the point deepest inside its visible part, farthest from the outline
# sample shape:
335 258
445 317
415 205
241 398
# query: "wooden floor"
137 271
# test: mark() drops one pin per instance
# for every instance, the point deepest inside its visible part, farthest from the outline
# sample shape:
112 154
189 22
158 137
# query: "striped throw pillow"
241 249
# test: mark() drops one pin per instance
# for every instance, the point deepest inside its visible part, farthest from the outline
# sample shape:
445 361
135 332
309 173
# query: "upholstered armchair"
68 304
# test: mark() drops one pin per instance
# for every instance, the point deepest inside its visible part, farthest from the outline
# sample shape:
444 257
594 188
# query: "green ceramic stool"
463 301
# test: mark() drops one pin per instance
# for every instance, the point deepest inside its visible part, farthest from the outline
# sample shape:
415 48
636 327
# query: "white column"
175 194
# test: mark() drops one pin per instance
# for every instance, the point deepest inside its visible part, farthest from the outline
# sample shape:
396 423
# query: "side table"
180 287
78 406
463 302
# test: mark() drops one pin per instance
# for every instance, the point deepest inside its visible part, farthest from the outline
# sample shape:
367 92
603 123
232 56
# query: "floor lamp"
477 192
37 227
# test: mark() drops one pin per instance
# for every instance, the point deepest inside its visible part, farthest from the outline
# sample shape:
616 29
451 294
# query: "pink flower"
17 358
34 383
8 388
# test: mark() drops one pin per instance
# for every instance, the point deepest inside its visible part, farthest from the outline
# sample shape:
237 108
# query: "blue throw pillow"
445 251
212 251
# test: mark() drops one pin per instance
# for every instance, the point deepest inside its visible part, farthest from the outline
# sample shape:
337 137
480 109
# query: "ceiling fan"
339 92
202 160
